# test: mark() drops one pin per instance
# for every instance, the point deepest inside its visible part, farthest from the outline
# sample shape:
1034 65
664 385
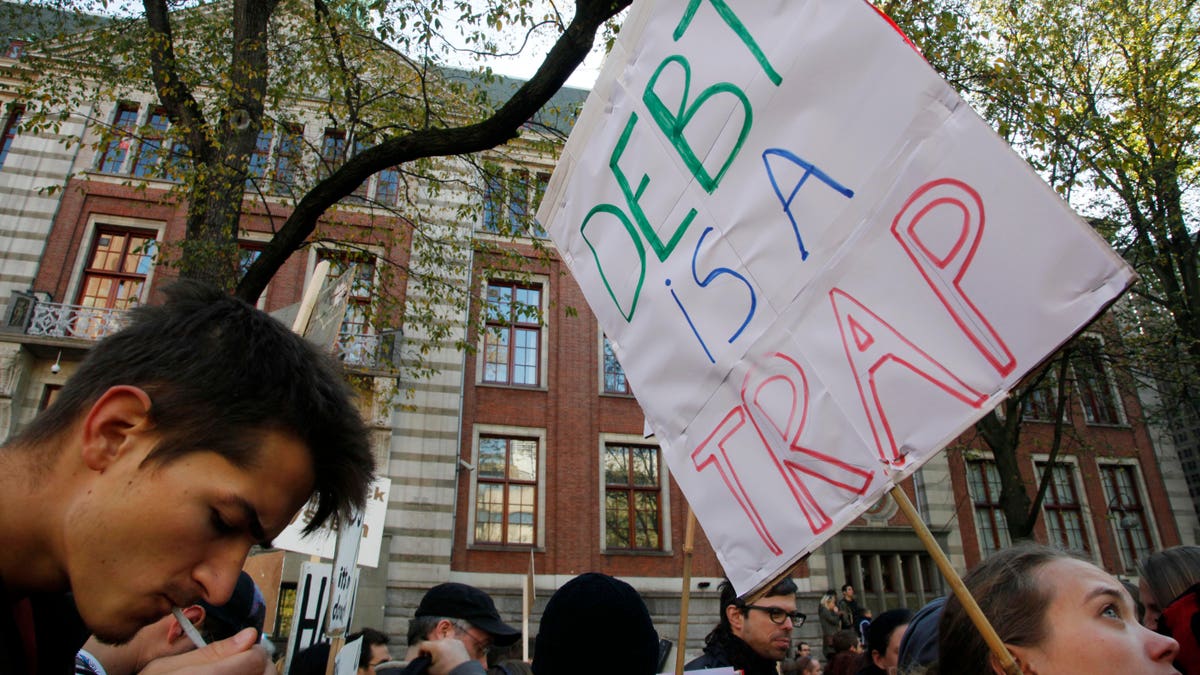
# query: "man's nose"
218 574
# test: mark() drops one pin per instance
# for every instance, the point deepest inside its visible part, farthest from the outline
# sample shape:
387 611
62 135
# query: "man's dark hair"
220 374
371 637
730 597
845 586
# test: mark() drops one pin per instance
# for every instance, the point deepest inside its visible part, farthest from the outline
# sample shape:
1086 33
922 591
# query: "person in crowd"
372 654
511 667
803 649
882 649
165 637
807 665
453 629
752 638
206 414
847 653
588 606
1169 588
1057 615
831 621
851 612
919 646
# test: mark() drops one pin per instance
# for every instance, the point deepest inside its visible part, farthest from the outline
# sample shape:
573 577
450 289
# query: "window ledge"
518 387
638 552
506 548
614 394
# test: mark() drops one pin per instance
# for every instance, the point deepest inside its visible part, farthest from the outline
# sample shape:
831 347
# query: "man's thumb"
231 645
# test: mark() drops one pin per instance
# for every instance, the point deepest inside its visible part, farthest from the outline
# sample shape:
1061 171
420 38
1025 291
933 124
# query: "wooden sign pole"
685 597
956 583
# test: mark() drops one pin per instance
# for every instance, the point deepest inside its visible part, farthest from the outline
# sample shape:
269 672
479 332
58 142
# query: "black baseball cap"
460 601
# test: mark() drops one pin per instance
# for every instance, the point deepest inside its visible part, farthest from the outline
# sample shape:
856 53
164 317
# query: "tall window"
632 497
1039 404
614 375
259 158
353 345
113 157
1096 390
333 150
509 201
149 153
983 483
1127 514
513 336
1064 512
506 491
117 267
387 186
10 130
287 157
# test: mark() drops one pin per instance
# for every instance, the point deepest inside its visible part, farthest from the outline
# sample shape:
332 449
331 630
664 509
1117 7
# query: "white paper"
816 264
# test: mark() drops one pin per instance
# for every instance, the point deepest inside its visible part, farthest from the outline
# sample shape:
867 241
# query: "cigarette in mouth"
188 628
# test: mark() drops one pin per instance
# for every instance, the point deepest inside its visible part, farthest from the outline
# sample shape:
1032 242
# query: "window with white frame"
149 158
118 264
512 340
506 490
1063 509
633 500
355 344
11 123
1126 513
1097 391
983 484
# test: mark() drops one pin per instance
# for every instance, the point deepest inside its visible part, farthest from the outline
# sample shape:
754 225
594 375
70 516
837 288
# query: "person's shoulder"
703 661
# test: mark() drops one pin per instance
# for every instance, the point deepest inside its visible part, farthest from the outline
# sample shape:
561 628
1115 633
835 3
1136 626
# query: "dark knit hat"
460 601
596 608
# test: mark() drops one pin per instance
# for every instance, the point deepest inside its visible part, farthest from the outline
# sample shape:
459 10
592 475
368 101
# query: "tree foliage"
406 82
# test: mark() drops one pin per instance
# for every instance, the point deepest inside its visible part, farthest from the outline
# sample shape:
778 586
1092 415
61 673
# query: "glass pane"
520 514
616 519
645 467
646 525
528 302
491 457
499 303
616 469
524 460
489 513
525 356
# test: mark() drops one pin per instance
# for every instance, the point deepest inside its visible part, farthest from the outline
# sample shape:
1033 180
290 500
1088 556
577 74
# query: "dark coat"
729 650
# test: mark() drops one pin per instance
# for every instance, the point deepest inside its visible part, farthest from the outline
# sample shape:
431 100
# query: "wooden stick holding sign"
956 583
684 599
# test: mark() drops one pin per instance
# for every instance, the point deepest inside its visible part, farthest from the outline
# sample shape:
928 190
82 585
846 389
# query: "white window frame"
480 430
600 369
96 221
664 508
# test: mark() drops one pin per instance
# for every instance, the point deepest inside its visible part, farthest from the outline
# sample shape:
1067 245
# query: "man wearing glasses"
453 629
752 638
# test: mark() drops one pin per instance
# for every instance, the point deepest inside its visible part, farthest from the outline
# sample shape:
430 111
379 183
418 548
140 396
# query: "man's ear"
443 630
111 423
737 620
195 614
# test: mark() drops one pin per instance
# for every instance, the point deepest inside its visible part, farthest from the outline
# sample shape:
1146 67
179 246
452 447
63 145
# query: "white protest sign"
346 661
345 575
817 265
308 613
322 542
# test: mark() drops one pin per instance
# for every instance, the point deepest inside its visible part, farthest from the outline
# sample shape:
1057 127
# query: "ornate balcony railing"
51 319
74 321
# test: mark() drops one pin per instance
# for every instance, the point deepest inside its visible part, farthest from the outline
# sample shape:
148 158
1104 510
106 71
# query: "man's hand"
446 655
238 655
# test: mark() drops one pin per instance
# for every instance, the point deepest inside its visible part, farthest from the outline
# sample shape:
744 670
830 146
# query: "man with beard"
752 638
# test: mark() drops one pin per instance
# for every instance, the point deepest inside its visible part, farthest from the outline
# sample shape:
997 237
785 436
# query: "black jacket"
729 650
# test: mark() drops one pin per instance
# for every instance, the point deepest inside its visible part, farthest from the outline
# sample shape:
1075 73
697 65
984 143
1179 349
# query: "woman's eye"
1111 611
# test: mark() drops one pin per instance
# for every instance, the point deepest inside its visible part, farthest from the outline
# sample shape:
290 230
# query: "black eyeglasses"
778 615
